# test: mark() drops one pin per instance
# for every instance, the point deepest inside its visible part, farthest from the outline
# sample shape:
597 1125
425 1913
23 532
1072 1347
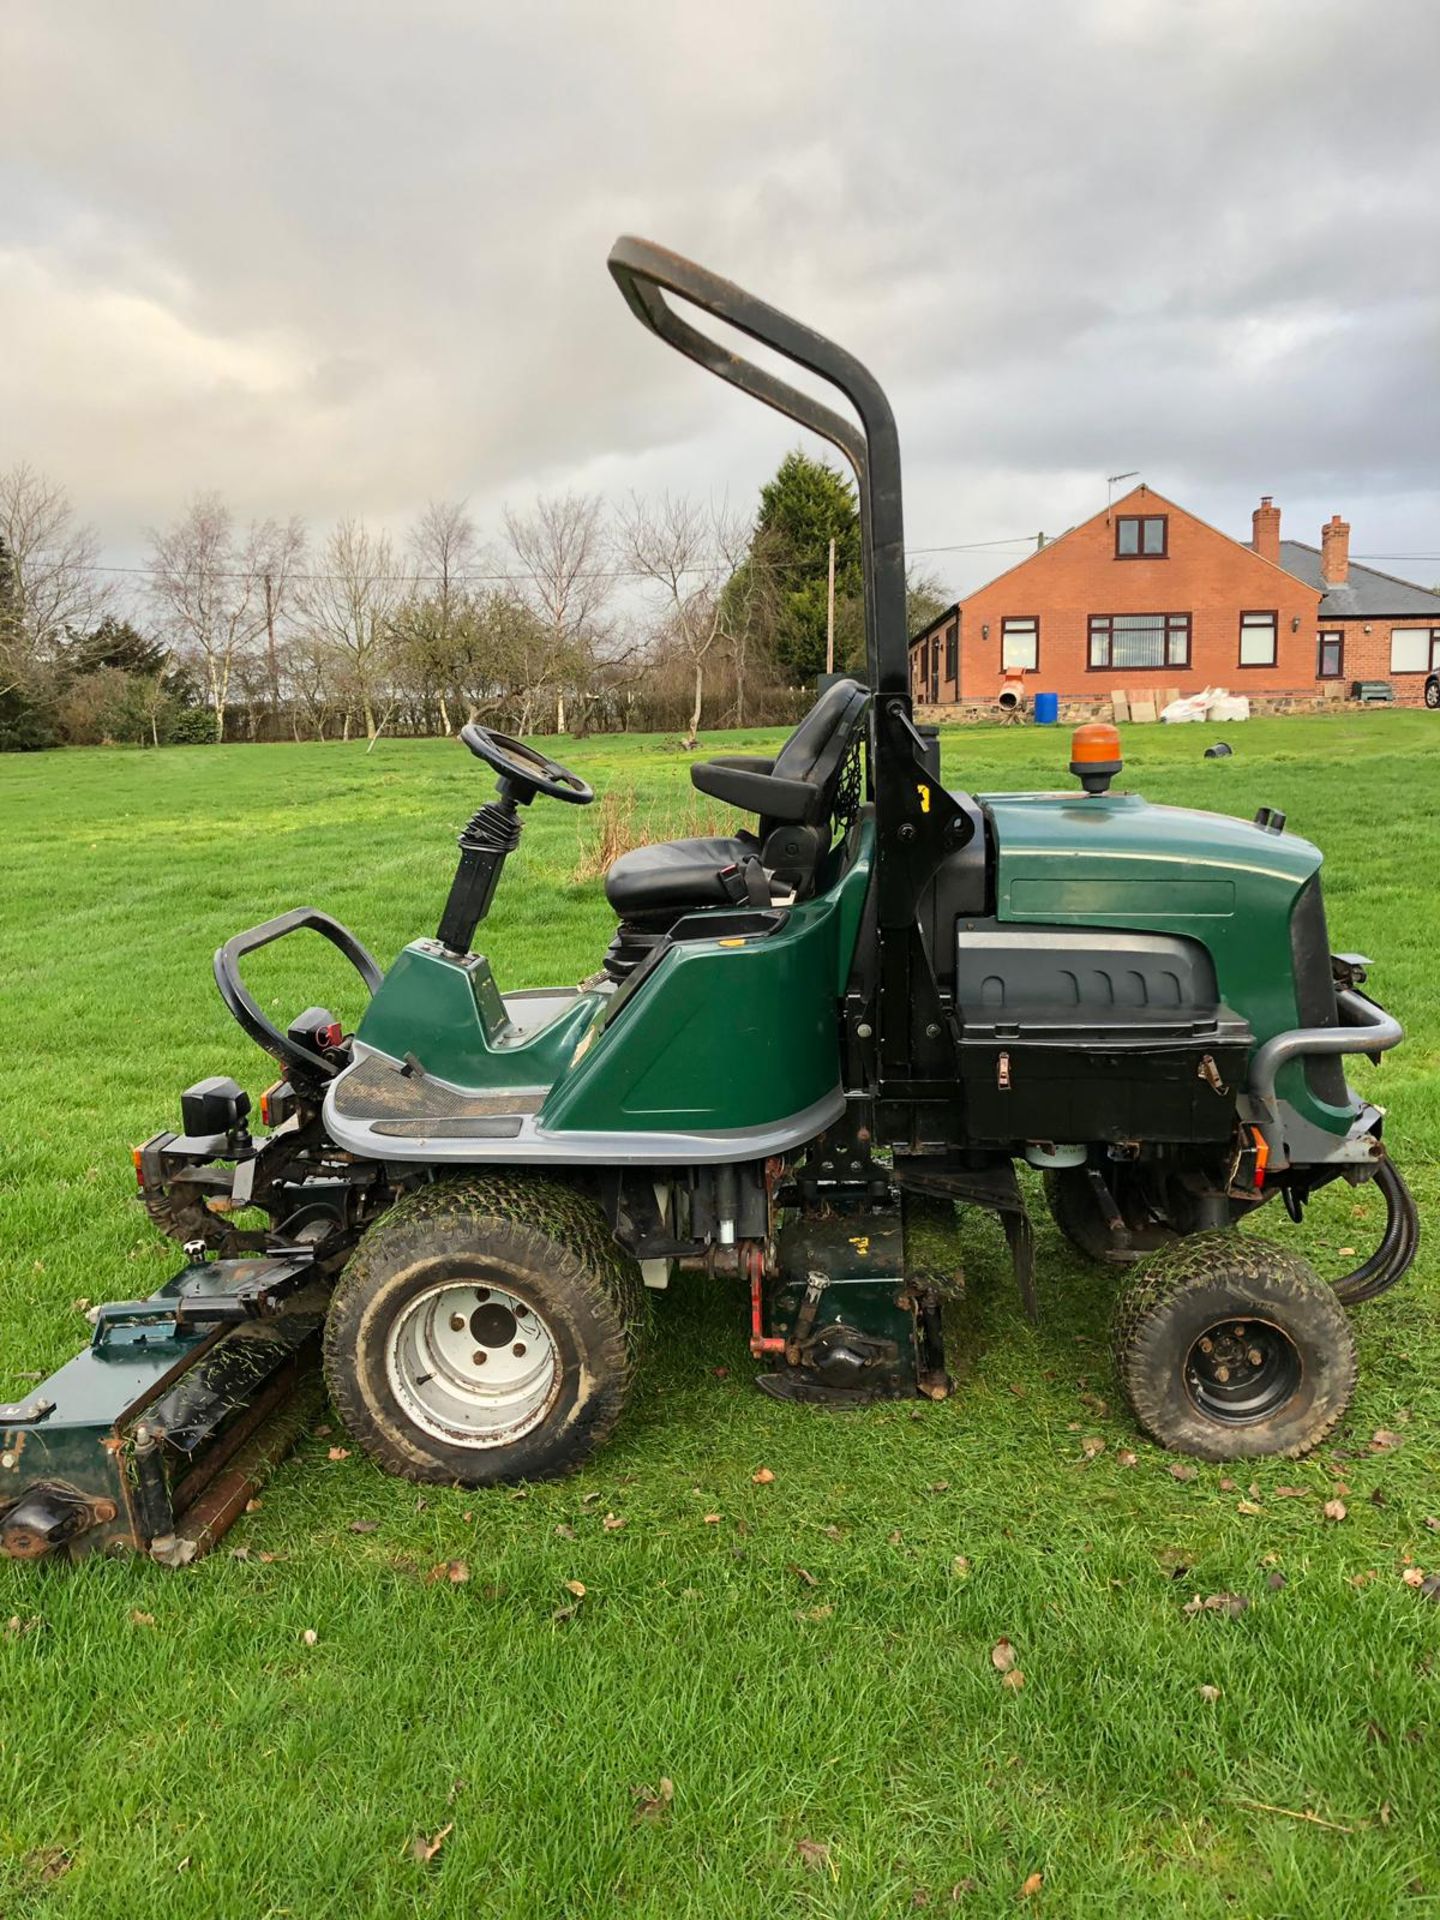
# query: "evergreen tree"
802 509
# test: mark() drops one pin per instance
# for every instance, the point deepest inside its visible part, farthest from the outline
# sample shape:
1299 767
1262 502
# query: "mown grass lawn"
812 1671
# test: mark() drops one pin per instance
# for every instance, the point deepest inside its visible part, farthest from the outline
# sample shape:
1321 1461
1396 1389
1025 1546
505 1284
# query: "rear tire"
485 1331
1432 694
1232 1349
1078 1214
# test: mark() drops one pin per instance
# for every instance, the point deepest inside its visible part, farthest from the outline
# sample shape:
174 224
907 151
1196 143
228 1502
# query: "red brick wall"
1367 656
1204 574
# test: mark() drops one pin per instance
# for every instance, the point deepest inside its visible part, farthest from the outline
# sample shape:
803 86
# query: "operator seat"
794 796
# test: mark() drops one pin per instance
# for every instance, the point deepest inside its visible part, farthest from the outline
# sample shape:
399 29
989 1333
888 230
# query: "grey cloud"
342 258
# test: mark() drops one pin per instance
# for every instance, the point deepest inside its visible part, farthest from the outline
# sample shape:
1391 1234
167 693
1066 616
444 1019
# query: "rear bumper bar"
1364 1028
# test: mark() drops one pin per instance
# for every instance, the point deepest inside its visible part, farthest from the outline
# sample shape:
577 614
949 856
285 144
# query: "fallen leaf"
960 1567
939 1486
1232 1605
1032 1885
1275 1581
961 1888
1018 1391
588 1499
712 1519
310 1637
139 1619
457 1572
577 1587
1124 1458
1002 1656
1092 1446
1014 1680
338 1453
1383 1441
1179 1471
1292 1493
1247 1506
364 1526
564 1532
612 1522
323 1433
763 1477
1227 1486
425 1850
802 1573
1334 1509
49 1863
239 1553
1431 1588
1432 1523
253 1506
266 1559
1210 1694
894 1538
15 1626
815 1853
651 1805
816 1613
721 1373
1413 1576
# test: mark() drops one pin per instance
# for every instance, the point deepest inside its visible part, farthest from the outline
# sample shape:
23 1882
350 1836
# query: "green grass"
211 1764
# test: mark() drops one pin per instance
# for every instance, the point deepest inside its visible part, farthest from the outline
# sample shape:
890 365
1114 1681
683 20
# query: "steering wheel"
524 772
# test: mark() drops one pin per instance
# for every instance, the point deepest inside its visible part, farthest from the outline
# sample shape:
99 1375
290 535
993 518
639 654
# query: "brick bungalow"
1146 597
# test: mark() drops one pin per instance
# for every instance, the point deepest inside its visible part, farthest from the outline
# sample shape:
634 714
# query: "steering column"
493 833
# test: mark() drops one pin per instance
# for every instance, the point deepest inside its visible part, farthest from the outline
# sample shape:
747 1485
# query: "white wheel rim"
474 1366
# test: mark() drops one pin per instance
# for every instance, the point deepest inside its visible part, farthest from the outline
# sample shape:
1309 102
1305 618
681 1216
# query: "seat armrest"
739 782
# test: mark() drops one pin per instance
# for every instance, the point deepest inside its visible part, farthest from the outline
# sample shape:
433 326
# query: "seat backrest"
800 786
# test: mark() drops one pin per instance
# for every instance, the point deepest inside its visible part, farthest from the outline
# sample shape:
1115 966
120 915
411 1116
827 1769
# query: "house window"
1139 640
1257 639
1330 656
1414 649
1019 646
950 650
1141 536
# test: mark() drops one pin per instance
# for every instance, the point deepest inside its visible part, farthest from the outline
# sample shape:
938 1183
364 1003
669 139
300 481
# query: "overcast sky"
344 258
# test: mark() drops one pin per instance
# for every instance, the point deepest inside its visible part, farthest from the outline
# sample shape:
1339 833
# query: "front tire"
484 1331
1232 1349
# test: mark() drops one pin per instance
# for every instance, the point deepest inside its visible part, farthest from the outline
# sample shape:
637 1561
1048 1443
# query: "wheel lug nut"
1207 1346
1255 1356
519 1349
457 1323
480 1356
1222 1374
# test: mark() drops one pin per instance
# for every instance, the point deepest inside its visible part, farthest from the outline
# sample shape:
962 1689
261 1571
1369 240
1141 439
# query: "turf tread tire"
1247 1277
544 1224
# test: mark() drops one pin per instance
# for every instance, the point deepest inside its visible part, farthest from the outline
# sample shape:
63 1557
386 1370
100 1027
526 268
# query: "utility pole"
270 646
830 614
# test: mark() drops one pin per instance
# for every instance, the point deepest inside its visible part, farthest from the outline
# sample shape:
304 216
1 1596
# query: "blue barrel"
1047 709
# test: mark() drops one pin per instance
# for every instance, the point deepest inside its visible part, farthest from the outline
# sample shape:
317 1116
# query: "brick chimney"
1266 524
1334 552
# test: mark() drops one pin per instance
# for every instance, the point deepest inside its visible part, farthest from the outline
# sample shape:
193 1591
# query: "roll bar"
645 273
293 1057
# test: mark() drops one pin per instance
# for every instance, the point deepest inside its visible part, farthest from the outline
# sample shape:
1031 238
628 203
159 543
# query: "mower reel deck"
154 1437
813 1052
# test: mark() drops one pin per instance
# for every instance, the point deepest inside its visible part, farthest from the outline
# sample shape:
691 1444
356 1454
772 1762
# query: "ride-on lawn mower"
809 1045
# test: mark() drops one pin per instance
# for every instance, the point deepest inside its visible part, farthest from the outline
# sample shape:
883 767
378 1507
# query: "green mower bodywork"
812 1051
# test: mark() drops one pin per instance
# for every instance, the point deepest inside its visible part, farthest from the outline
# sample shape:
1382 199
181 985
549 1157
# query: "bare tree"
439 619
51 581
207 583
350 606
563 548
690 554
